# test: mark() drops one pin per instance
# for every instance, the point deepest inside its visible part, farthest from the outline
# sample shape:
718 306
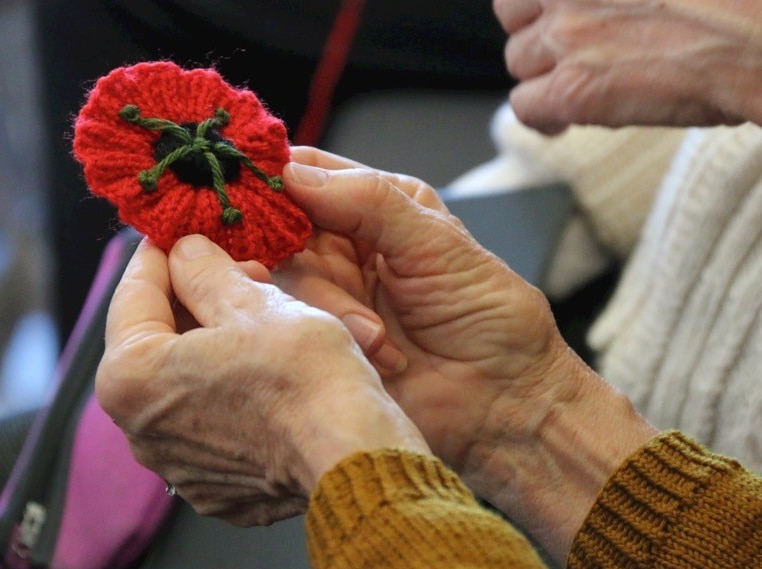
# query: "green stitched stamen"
202 153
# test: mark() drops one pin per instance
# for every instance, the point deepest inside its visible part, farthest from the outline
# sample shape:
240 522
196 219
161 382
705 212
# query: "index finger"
142 302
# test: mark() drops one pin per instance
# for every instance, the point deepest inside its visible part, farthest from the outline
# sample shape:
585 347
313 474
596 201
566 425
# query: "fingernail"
364 330
390 359
308 175
194 246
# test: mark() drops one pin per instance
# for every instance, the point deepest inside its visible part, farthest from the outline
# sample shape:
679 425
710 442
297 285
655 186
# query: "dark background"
270 46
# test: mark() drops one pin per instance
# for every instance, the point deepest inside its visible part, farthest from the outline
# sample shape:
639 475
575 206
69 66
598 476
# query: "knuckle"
574 92
562 32
308 333
320 327
370 186
122 377
145 454
376 188
201 502
220 290
111 384
514 57
202 280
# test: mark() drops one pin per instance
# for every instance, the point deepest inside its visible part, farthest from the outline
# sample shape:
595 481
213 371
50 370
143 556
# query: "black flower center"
194 168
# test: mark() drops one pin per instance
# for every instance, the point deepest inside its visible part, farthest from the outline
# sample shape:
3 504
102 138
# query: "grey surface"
433 135
194 542
28 347
521 226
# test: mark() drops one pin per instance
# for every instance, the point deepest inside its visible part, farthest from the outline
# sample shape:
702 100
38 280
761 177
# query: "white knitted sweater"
682 335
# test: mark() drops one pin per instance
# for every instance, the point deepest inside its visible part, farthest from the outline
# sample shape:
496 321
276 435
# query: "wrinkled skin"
243 396
194 388
623 62
489 381
238 394
476 336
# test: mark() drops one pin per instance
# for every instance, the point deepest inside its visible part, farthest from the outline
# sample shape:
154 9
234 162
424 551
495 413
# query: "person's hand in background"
670 62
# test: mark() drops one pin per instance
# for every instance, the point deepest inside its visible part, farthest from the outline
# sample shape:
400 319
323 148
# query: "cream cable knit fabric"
683 334
614 174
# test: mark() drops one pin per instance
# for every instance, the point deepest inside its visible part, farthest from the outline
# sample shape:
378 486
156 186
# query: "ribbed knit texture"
614 173
674 505
114 152
398 509
683 334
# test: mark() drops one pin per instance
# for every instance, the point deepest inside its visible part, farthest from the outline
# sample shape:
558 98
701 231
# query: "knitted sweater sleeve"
674 504
395 509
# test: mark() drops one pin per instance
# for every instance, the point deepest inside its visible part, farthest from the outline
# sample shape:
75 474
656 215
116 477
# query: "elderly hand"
614 63
489 381
476 336
234 392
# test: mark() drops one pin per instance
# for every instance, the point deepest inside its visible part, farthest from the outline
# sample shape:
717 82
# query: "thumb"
370 206
210 284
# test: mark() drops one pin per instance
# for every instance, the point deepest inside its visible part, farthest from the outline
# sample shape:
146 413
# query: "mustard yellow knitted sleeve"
396 509
675 505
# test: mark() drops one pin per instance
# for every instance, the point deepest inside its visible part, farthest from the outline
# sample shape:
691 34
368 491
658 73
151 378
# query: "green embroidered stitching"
198 142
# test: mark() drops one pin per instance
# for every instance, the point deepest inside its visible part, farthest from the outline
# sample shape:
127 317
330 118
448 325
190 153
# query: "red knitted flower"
181 151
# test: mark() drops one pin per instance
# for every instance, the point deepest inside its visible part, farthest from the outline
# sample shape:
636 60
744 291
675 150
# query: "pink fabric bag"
76 498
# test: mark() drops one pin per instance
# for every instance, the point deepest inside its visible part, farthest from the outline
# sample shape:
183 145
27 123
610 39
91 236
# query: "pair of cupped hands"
393 329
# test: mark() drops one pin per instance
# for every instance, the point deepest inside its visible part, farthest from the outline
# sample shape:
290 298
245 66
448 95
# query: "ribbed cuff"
673 504
399 509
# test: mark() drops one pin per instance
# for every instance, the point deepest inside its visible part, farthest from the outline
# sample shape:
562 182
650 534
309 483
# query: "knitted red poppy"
181 151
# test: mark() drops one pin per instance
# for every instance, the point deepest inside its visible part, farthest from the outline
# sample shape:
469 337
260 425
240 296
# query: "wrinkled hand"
236 393
614 63
489 381
478 339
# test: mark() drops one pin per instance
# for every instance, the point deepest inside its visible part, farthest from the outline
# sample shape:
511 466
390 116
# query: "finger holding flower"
245 412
